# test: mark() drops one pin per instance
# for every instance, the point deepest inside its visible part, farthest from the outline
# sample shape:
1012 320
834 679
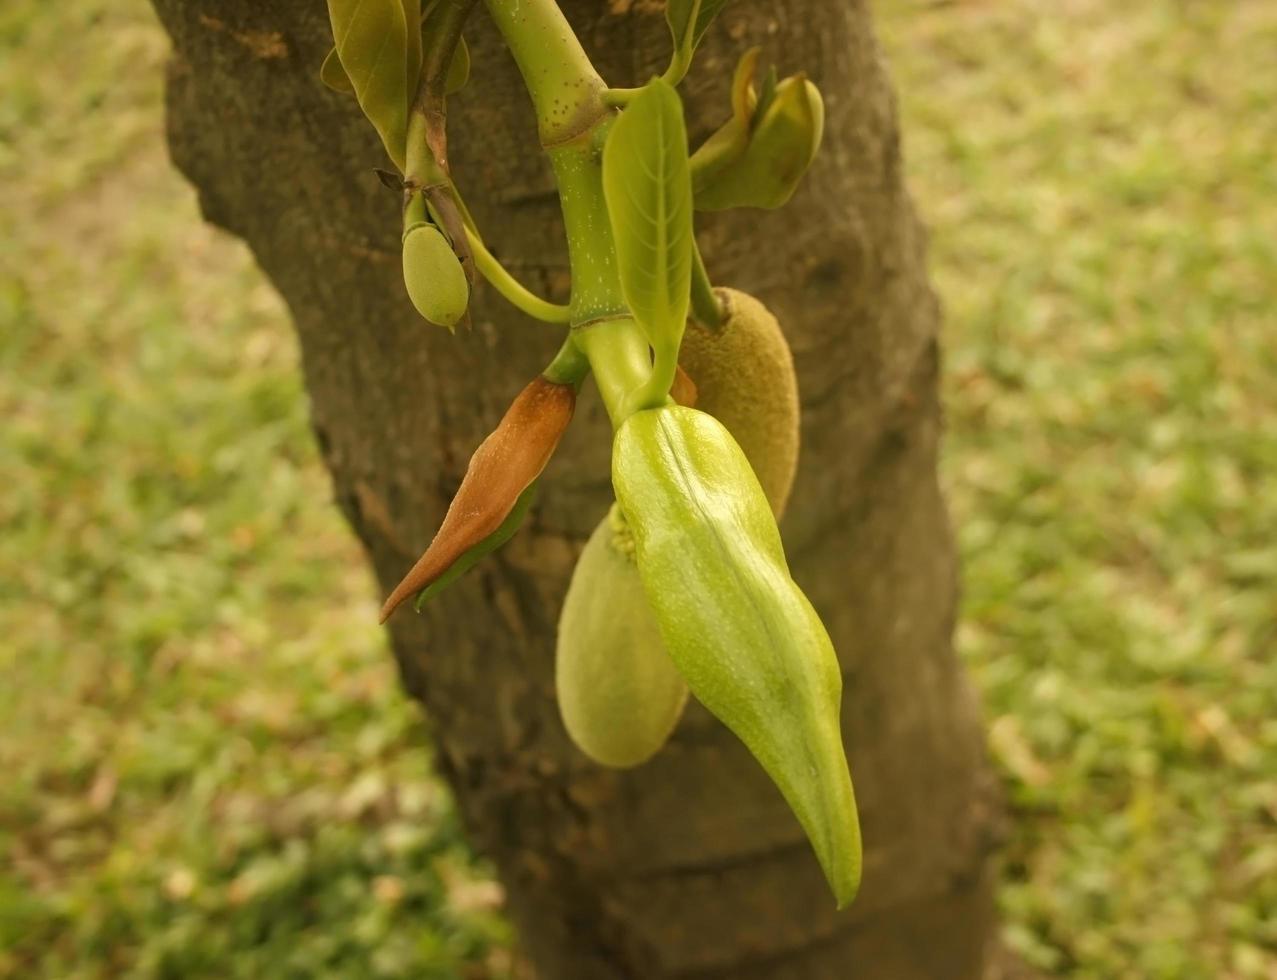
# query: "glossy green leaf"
459 69
332 74
687 32
372 43
648 188
738 628
509 527
412 15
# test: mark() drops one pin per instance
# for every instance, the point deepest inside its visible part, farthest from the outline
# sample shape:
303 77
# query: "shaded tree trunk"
691 866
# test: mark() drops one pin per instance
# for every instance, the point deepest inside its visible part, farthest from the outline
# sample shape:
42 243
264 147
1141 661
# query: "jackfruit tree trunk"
690 866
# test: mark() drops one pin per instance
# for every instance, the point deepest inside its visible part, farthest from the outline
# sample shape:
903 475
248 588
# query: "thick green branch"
620 359
573 120
565 88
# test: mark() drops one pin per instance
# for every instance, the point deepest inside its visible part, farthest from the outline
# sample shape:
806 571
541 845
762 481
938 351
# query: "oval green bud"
744 377
433 274
619 693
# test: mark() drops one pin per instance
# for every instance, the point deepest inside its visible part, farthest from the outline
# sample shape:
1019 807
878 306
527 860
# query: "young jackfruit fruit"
744 376
619 693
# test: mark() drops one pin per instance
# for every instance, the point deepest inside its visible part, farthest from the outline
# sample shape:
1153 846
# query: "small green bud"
433 274
782 145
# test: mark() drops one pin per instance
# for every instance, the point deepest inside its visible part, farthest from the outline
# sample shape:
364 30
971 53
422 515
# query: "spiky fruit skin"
619 693
744 376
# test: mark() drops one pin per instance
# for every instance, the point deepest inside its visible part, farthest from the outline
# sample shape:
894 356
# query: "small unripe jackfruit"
432 272
619 692
744 376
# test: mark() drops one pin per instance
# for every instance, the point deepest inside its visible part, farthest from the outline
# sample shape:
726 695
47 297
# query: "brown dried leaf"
503 466
683 390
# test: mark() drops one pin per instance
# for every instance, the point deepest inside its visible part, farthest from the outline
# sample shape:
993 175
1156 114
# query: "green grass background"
208 769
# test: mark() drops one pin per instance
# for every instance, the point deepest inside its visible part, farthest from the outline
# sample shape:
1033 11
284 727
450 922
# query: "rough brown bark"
691 866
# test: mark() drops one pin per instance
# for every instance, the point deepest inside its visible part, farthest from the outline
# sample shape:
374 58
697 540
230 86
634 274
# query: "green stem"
424 169
570 365
573 121
565 88
681 60
620 97
706 307
415 212
421 168
602 324
620 359
514 291
655 390
596 285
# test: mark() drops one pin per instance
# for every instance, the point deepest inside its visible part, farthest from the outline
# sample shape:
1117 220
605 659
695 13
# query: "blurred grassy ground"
209 768
1101 179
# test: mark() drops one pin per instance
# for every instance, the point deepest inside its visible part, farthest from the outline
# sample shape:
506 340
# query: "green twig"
570 365
573 118
620 97
519 295
681 60
706 307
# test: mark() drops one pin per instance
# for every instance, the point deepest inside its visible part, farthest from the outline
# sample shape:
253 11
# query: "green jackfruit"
749 644
619 693
744 376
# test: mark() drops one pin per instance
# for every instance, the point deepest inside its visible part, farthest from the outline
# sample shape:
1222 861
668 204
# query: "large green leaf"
332 74
372 43
688 32
648 187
